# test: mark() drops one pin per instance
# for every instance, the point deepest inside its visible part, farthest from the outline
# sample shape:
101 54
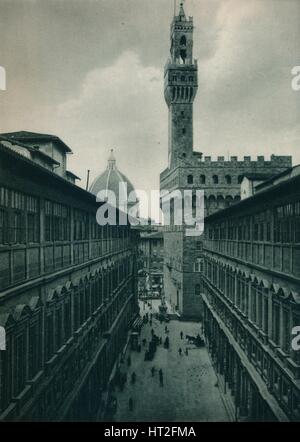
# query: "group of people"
153 343
160 373
181 352
147 318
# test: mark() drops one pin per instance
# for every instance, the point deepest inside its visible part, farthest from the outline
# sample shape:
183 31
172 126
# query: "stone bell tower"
181 84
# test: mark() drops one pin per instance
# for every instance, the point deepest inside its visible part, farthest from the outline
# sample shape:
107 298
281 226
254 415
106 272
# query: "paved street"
189 392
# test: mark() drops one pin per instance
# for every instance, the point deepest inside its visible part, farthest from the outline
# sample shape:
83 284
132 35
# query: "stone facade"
187 169
251 302
68 295
150 263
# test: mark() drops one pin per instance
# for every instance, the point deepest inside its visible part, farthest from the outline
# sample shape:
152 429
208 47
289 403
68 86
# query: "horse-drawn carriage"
196 340
162 314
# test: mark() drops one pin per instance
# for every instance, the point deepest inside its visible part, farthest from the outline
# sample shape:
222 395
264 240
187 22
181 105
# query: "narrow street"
189 391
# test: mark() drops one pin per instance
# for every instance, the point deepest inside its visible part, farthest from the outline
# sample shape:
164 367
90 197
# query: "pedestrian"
130 402
181 335
186 352
166 329
152 371
133 378
152 331
161 378
129 361
180 351
160 340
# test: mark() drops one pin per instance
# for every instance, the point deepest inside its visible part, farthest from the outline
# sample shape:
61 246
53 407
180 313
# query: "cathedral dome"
112 180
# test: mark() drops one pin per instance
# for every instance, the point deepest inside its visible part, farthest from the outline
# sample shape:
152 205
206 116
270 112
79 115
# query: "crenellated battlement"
274 160
235 165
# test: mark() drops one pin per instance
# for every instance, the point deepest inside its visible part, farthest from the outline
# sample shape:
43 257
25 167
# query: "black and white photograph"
150 214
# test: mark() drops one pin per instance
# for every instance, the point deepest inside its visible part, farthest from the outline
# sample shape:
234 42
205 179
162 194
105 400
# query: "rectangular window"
34 349
261 232
67 319
81 225
268 232
259 307
3 226
20 364
32 227
276 323
48 220
266 314
253 305
58 327
255 232
286 329
57 222
50 337
17 228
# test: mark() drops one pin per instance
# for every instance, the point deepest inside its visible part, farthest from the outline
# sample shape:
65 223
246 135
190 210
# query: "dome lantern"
111 162
112 180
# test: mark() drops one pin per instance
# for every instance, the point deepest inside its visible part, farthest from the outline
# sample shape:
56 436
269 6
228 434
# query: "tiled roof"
32 136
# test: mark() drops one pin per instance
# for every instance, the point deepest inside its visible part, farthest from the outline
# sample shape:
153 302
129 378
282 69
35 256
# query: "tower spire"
181 11
111 163
181 84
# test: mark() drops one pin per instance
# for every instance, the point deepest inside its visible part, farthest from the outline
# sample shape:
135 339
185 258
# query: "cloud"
245 102
94 76
119 106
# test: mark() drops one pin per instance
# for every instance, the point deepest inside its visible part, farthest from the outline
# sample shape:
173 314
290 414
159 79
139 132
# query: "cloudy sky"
91 72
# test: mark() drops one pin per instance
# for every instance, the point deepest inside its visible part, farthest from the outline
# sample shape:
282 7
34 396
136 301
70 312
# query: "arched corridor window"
215 179
228 179
202 179
190 179
221 202
212 204
228 201
183 40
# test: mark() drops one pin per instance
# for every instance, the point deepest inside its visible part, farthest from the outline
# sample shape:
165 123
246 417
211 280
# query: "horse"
191 339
